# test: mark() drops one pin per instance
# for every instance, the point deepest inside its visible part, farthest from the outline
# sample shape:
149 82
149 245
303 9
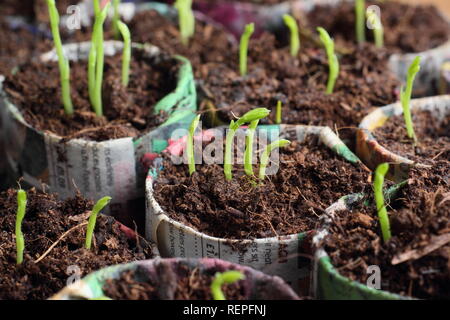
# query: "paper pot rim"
328 137
184 70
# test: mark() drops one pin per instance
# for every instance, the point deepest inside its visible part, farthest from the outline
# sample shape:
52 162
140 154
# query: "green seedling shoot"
405 96
20 241
249 117
64 68
243 48
290 22
380 173
266 156
190 145
116 19
186 20
360 8
96 7
248 155
227 277
378 30
103 202
126 55
278 112
96 62
333 61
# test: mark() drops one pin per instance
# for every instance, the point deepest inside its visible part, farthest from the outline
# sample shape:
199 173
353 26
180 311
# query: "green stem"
96 7
405 97
227 277
295 37
93 218
333 61
248 156
126 56
190 145
243 47
278 117
380 173
20 241
116 19
186 20
266 156
378 30
360 8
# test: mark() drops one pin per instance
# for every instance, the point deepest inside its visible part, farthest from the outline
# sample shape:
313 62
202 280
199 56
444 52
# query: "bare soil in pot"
310 178
408 28
128 112
46 221
416 261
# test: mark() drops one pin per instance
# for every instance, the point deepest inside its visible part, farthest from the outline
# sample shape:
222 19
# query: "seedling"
380 173
378 30
63 63
243 47
405 96
96 7
227 277
295 37
186 20
20 241
96 62
93 219
116 19
126 55
360 8
190 145
248 155
278 112
266 156
333 61
249 117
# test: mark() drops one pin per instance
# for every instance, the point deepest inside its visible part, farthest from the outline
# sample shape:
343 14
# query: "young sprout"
380 172
93 219
190 145
126 56
21 207
278 112
96 7
227 277
248 155
116 19
243 47
295 37
378 30
405 96
64 68
186 20
96 62
360 8
333 61
266 156
255 114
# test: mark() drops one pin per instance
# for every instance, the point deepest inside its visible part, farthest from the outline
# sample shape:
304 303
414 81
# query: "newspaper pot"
95 168
373 154
258 286
286 256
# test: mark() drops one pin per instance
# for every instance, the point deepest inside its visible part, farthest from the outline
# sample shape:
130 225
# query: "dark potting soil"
311 178
420 224
433 138
46 221
180 284
36 89
407 28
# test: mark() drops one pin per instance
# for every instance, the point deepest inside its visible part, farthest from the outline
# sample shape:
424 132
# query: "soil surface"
407 28
45 222
420 223
128 112
433 138
311 178
186 284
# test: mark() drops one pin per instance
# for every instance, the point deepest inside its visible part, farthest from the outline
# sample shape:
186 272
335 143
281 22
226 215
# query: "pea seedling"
227 277
93 219
333 61
360 8
96 62
255 114
248 155
63 63
380 173
295 37
20 241
190 145
186 20
96 7
266 156
126 56
243 48
378 30
116 19
405 96
278 112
